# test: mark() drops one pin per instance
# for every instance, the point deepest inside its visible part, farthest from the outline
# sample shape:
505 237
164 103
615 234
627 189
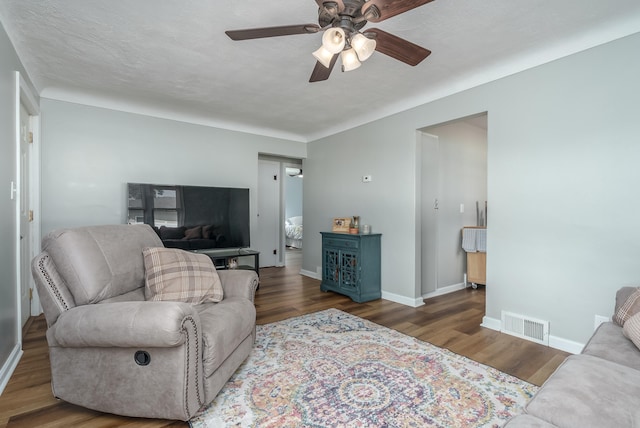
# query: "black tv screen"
192 217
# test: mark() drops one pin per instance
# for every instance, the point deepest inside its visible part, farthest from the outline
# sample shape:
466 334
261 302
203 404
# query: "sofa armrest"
125 325
239 283
52 289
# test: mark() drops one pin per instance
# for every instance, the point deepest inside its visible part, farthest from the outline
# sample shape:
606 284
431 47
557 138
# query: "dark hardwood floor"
451 321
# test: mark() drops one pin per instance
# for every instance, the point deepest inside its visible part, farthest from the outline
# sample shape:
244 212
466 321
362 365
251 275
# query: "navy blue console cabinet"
351 265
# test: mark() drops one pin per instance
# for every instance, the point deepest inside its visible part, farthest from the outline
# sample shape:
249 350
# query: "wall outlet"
367 178
599 319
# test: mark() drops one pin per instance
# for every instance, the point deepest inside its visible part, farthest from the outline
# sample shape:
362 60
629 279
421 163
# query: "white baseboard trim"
492 323
407 301
414 303
444 290
565 345
555 342
9 366
310 274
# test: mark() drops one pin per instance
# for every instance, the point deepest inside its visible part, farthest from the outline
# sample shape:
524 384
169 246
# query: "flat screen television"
192 217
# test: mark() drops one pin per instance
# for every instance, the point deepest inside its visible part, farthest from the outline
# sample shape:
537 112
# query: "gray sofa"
112 351
599 388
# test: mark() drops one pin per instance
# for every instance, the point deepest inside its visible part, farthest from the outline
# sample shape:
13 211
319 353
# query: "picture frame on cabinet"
341 224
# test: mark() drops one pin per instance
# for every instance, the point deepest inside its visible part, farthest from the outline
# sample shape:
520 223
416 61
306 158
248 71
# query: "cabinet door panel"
331 272
349 268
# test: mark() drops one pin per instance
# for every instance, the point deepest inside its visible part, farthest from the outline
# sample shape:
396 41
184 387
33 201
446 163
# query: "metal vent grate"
525 327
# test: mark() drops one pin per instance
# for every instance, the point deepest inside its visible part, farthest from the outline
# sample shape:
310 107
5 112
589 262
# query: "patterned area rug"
333 369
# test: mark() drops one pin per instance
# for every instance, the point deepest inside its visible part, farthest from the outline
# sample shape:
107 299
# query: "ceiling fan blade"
389 8
320 72
283 30
398 48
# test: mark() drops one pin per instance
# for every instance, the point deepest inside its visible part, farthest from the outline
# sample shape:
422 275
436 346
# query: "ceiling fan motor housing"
347 14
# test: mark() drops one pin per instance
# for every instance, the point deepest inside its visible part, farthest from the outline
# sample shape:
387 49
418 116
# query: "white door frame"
24 96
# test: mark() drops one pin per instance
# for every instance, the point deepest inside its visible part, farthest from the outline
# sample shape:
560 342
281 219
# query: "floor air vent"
525 327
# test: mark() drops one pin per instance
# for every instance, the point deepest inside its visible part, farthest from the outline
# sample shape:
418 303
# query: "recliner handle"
142 358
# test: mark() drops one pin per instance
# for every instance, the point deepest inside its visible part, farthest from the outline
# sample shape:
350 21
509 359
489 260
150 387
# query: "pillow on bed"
180 276
296 221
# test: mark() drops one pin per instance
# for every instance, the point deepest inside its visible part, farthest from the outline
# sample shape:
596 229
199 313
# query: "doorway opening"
280 220
452 191
293 219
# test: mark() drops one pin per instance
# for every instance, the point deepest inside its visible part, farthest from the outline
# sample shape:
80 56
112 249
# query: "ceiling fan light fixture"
349 60
293 172
323 56
334 39
363 45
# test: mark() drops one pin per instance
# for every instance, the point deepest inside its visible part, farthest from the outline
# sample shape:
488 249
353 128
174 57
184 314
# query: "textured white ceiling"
172 59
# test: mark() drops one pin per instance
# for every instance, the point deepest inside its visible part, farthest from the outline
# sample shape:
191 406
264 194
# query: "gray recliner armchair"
113 351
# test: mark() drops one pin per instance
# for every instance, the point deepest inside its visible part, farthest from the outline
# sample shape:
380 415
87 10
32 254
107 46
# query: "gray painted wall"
89 154
562 184
9 64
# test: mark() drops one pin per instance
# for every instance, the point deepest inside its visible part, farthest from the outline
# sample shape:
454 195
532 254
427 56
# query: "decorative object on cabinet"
481 215
354 227
341 224
351 265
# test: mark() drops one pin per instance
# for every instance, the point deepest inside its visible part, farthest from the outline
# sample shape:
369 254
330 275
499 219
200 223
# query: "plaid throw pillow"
631 329
628 309
181 276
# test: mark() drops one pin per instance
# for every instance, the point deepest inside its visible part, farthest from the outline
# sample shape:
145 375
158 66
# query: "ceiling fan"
343 21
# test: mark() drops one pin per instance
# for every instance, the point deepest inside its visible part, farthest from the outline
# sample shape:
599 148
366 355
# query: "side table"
222 256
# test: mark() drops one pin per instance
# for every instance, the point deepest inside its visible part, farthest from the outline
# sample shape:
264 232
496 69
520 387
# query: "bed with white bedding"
293 232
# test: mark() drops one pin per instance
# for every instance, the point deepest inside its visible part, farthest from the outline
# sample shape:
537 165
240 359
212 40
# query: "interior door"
268 212
25 216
